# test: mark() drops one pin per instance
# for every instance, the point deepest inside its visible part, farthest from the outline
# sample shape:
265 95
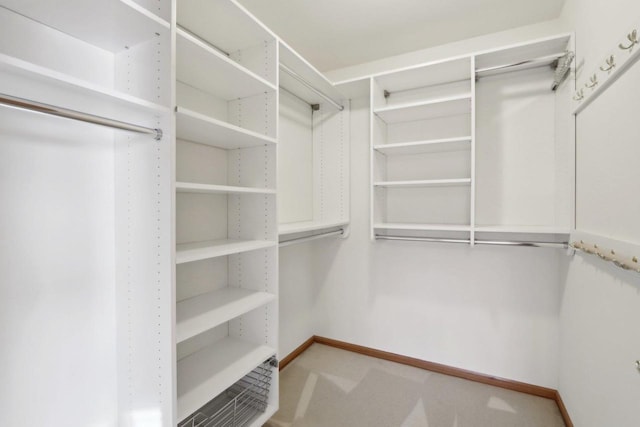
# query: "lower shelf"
421 227
203 312
210 371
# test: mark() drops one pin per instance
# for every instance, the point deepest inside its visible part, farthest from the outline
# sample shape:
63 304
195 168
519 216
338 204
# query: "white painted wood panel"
188 252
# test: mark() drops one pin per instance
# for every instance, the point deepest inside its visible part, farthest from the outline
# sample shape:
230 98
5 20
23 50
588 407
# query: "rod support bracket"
159 134
315 107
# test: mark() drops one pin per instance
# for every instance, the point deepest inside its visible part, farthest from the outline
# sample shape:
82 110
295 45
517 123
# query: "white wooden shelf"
190 187
112 25
94 98
430 146
427 109
188 252
203 312
424 75
196 127
203 67
522 51
424 183
236 31
522 229
207 373
306 226
421 227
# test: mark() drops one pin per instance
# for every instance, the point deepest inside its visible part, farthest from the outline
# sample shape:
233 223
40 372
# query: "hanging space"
524 168
85 119
226 228
313 153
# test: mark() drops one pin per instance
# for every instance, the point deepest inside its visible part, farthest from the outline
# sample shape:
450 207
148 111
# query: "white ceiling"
332 34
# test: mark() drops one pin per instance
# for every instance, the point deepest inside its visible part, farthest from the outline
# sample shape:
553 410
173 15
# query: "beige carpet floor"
328 387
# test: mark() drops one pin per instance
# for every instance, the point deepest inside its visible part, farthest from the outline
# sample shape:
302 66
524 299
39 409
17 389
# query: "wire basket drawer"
239 404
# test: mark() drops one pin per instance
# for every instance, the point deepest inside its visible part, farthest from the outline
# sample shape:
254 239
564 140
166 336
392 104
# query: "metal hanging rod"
310 238
314 107
39 107
530 63
204 41
311 87
477 241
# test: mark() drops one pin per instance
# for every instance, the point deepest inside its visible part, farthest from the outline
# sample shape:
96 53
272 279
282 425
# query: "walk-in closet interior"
194 192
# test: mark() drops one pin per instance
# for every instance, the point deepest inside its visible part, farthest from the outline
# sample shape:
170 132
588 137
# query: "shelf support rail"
563 245
311 87
310 238
39 107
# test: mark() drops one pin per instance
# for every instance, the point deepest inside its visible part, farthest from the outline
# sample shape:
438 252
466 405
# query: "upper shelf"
296 63
522 52
49 86
435 73
428 146
196 127
201 66
237 31
424 110
113 25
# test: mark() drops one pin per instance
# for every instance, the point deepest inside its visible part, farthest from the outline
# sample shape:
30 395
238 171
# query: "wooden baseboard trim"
295 353
442 369
521 387
563 410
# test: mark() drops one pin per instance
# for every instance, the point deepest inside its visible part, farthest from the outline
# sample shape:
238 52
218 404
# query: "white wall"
298 294
491 310
599 309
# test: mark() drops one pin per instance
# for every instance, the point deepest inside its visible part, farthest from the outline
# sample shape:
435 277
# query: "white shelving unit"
226 224
421 150
313 151
106 252
436 173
